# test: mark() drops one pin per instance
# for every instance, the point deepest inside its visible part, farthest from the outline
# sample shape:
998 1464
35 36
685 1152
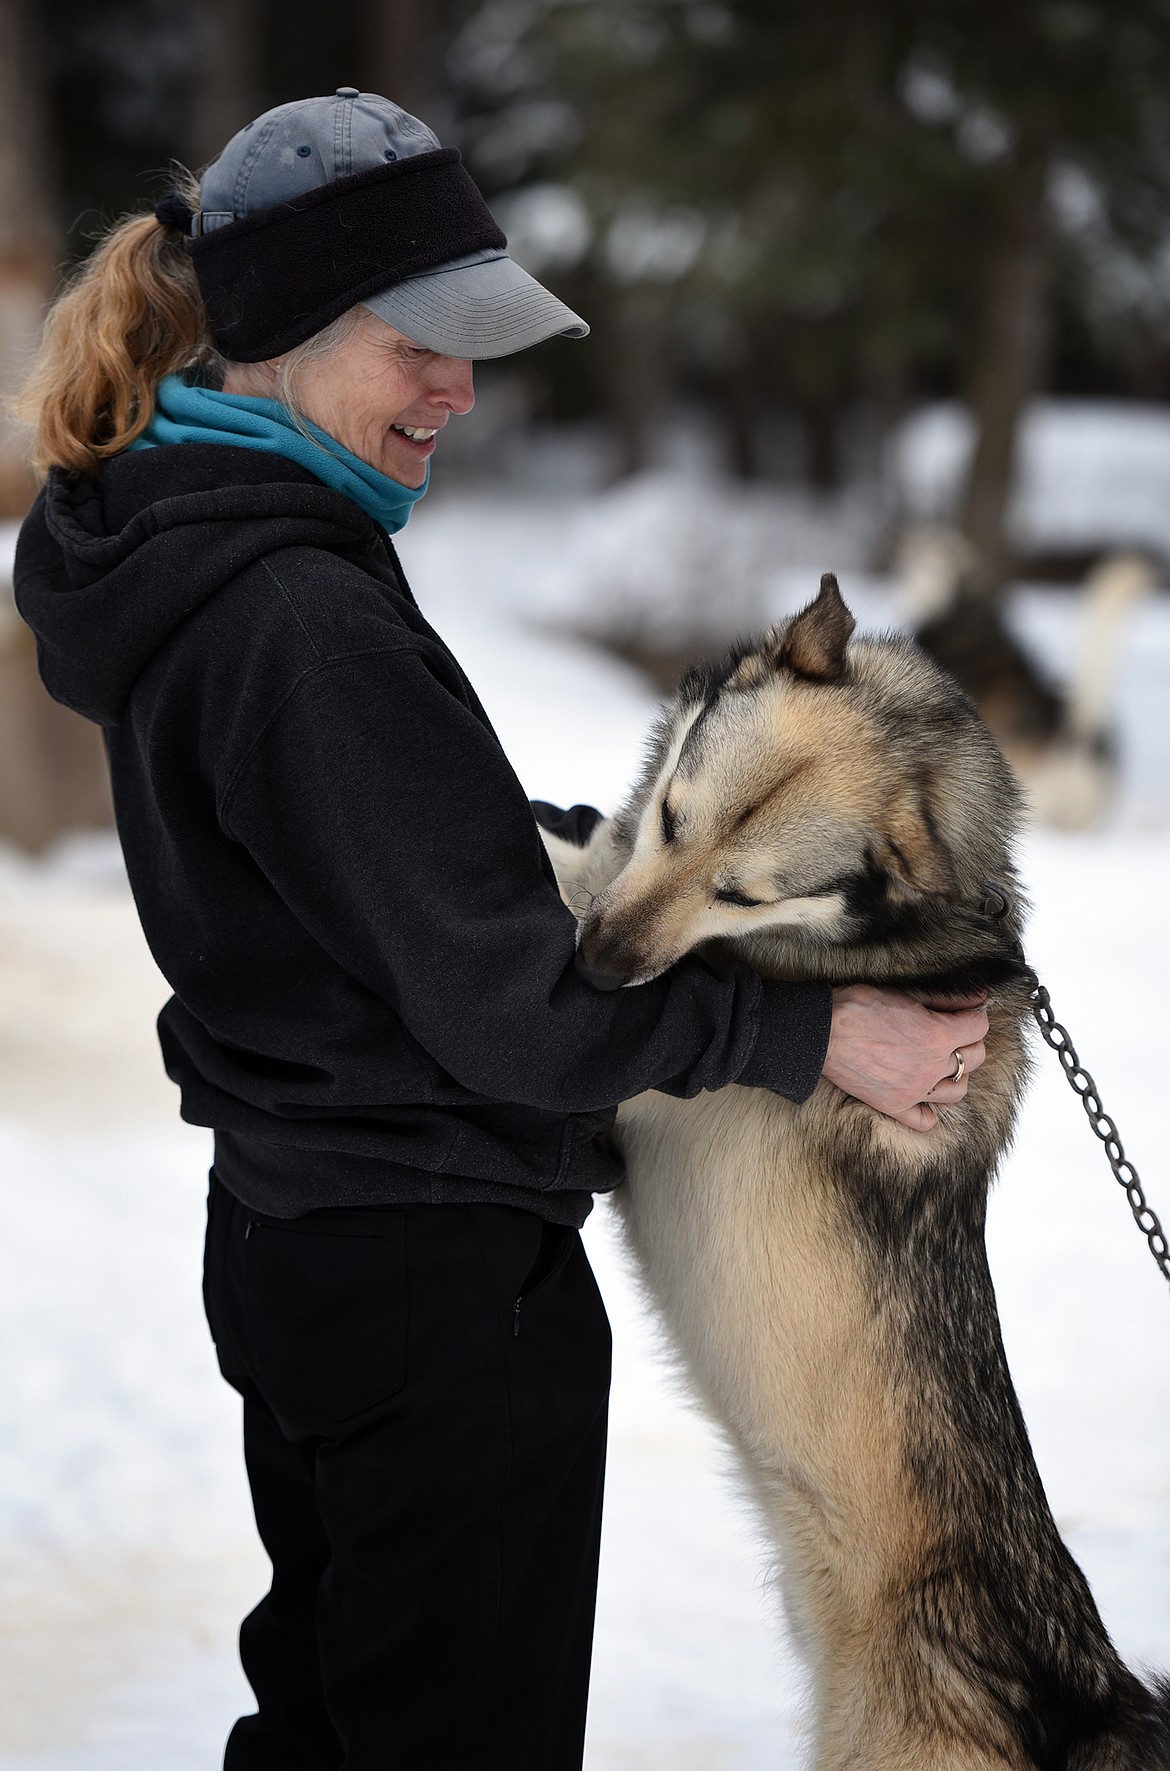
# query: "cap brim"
488 309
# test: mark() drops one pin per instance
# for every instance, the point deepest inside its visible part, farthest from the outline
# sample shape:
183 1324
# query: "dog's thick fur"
821 1268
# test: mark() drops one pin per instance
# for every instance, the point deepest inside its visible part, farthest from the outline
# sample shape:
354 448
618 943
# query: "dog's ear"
911 852
813 643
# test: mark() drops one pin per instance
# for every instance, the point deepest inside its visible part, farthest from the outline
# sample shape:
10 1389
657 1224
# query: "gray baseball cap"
481 305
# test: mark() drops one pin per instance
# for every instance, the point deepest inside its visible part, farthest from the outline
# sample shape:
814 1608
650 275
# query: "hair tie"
174 211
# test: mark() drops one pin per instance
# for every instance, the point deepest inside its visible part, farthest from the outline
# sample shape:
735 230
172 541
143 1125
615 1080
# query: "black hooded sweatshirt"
336 868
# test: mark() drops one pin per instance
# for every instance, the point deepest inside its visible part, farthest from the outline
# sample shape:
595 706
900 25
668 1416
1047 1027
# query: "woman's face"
372 390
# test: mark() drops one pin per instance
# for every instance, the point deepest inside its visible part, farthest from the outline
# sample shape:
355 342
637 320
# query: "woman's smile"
382 396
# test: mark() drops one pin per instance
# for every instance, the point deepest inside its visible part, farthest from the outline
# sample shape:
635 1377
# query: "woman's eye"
739 899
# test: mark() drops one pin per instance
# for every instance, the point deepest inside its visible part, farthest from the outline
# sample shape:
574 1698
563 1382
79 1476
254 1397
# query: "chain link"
1124 1172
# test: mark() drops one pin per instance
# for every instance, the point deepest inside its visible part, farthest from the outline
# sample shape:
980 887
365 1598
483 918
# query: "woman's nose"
453 384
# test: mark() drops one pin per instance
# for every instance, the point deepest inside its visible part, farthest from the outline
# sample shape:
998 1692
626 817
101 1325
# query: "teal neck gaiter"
185 412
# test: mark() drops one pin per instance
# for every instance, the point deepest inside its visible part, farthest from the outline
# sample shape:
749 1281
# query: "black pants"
425 1395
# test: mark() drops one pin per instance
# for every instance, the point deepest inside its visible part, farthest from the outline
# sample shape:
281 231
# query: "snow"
126 1549
1092 473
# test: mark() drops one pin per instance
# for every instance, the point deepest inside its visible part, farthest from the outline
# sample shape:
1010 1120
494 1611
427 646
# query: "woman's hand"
899 1055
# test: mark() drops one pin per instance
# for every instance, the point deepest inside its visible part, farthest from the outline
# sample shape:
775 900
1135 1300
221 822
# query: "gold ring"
960 1068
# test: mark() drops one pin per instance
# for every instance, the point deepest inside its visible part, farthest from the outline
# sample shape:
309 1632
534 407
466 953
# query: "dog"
836 809
1059 741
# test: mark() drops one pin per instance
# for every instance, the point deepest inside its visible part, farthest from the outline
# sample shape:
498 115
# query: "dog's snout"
599 980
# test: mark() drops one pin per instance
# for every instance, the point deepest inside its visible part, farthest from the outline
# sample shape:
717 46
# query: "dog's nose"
599 980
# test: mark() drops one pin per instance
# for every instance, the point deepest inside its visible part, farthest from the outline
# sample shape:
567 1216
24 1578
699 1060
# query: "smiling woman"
376 1006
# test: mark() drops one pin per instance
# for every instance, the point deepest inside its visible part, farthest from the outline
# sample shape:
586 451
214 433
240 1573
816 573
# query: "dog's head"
823 793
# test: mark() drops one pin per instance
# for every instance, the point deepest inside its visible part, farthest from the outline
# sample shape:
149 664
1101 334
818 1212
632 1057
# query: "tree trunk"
822 454
392 39
53 774
227 87
1008 360
631 345
52 764
30 243
740 404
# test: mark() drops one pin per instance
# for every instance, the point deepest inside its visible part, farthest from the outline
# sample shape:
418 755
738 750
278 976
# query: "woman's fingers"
947 1004
947 1094
974 1055
951 1088
901 1056
959 1027
920 1117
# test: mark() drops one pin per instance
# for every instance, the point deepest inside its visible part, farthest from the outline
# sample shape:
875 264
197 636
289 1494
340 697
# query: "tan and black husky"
838 810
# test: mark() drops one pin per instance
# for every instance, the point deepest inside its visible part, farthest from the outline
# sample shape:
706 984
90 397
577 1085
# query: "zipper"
546 1263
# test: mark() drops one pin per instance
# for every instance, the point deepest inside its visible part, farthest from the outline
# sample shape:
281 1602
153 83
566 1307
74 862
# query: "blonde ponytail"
130 315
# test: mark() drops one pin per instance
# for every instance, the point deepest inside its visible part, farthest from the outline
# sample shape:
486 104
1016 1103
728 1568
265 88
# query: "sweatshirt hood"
107 568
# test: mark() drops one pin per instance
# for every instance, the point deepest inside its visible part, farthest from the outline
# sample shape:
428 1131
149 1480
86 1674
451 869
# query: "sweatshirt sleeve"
384 813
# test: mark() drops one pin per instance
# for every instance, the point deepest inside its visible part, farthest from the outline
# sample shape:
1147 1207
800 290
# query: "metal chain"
1124 1172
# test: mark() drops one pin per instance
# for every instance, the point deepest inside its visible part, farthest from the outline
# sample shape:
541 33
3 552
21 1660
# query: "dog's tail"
1112 591
1138 1740
931 563
1072 785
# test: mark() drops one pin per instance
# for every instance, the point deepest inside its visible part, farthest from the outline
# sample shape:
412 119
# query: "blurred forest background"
795 220
815 208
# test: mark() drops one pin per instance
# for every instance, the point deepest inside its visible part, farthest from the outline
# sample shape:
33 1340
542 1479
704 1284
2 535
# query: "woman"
375 1004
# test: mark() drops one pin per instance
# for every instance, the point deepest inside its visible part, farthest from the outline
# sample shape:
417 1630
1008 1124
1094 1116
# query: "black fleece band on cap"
272 279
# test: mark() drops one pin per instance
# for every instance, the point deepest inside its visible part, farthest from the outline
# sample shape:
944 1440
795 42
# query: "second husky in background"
839 811
1061 742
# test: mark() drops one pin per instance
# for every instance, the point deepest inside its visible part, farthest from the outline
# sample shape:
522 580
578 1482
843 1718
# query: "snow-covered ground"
126 1551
